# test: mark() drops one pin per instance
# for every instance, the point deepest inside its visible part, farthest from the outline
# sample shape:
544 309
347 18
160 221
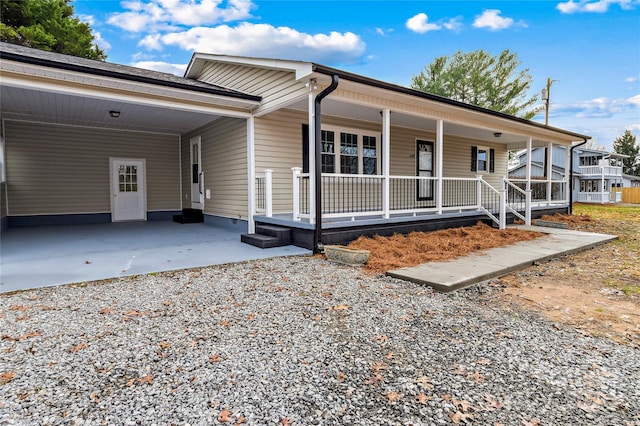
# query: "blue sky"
590 47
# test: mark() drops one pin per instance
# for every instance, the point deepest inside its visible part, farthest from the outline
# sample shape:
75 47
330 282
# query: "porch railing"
354 196
264 193
601 170
516 201
544 192
595 197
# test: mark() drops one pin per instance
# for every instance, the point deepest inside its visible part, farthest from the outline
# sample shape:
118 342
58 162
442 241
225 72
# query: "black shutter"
492 160
474 158
305 148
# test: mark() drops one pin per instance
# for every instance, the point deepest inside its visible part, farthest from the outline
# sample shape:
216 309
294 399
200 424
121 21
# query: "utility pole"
546 94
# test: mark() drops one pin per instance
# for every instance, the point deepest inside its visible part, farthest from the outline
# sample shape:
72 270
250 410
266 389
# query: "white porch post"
268 192
312 158
386 154
503 203
296 192
549 171
527 213
567 176
251 174
602 189
439 149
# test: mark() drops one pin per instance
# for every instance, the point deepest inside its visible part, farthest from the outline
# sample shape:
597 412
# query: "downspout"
317 235
571 175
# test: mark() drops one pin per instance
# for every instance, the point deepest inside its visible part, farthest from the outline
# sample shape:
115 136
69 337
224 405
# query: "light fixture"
313 84
114 114
497 134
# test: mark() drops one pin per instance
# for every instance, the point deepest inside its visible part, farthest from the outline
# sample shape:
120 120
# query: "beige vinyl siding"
3 199
54 169
279 147
224 164
276 87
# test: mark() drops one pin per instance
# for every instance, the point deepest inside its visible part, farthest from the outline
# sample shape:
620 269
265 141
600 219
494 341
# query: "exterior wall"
54 169
275 87
279 147
224 164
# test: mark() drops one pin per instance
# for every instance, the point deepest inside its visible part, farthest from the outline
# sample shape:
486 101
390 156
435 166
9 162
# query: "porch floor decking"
52 255
493 263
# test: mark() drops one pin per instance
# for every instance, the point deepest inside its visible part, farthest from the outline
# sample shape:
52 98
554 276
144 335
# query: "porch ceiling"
19 103
338 108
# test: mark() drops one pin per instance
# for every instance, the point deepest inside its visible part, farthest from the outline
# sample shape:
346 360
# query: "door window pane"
349 153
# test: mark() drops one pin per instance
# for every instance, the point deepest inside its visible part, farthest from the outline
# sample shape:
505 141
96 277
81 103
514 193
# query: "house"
597 174
255 144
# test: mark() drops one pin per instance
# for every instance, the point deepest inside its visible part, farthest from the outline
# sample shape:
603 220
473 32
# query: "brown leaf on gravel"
214 358
317 317
532 422
22 336
6 377
340 308
392 396
285 422
19 308
459 418
422 398
399 251
382 339
105 311
224 416
79 347
378 367
375 380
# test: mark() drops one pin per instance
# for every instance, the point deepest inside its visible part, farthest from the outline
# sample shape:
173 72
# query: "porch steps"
189 216
268 236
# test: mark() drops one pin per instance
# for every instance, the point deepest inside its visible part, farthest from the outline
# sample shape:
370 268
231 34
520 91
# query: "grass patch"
631 290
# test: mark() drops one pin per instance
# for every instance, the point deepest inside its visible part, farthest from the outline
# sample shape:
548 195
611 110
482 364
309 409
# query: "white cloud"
419 24
100 42
265 40
87 19
598 107
598 6
631 79
177 69
154 15
454 24
151 42
492 20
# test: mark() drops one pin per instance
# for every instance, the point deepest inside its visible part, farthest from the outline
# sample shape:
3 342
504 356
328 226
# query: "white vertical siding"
54 169
224 163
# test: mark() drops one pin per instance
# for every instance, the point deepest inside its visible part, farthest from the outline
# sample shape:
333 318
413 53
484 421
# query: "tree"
626 145
478 78
47 25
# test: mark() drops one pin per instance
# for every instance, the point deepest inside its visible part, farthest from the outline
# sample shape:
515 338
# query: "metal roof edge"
322 69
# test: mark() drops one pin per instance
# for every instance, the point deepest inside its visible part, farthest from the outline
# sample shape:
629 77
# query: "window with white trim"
345 151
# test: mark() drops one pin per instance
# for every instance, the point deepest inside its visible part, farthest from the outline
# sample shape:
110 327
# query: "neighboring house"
597 174
629 181
250 141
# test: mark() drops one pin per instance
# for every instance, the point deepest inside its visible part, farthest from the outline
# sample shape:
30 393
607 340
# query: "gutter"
571 174
356 78
317 115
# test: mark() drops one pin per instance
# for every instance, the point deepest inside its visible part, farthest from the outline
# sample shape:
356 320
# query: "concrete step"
189 216
281 233
261 240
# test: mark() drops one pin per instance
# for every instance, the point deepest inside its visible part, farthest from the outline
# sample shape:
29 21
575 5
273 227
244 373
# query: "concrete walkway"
496 262
52 255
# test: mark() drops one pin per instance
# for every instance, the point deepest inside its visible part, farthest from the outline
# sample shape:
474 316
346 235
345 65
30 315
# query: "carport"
43 256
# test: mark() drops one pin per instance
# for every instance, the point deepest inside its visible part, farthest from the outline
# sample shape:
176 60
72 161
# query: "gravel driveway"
299 341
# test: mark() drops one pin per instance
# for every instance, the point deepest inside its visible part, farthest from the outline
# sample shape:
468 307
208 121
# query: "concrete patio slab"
496 262
54 255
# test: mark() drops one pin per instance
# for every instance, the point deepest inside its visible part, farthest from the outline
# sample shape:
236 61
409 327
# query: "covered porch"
425 164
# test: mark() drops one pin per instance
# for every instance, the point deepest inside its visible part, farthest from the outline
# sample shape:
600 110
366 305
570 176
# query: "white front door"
197 176
128 190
